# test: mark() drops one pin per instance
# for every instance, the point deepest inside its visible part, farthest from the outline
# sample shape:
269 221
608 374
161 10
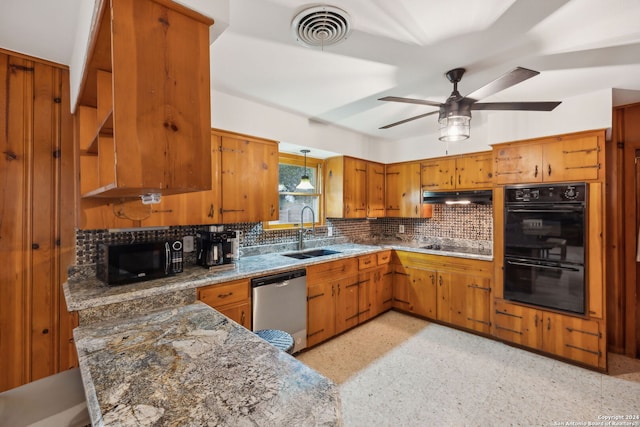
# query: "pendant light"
305 182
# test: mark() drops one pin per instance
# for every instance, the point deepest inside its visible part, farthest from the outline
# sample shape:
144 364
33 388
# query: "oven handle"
541 265
550 209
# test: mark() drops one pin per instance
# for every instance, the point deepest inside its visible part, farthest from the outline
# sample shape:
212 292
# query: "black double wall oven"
544 245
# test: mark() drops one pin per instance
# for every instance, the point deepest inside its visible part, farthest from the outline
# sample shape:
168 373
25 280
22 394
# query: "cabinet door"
239 313
517 164
366 293
403 195
572 159
249 180
375 190
355 188
444 298
574 338
201 207
438 174
517 324
477 303
474 171
422 291
400 288
320 312
346 299
381 292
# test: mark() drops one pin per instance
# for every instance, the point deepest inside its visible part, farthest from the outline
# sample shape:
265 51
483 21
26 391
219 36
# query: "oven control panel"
559 193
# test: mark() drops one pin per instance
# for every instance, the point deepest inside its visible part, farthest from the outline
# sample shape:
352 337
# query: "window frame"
312 163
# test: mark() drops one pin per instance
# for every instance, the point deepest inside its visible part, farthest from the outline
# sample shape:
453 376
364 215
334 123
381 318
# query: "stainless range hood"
482 197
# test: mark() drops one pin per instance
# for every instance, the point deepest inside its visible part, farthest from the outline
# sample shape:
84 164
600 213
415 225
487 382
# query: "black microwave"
118 264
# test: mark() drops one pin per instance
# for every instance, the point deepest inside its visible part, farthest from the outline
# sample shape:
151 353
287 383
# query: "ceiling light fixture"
305 182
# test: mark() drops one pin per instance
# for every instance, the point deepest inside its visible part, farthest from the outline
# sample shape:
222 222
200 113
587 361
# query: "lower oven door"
546 284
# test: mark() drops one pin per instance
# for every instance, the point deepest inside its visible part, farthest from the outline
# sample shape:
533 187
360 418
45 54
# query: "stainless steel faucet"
302 230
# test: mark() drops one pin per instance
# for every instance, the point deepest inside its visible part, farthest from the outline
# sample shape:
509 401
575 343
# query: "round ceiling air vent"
321 26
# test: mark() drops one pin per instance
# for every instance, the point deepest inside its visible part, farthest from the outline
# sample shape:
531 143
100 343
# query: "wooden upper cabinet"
572 157
244 186
375 190
147 98
354 188
474 171
517 164
465 172
249 179
403 195
438 174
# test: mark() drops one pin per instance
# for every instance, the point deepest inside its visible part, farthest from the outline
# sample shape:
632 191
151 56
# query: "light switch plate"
401 228
329 231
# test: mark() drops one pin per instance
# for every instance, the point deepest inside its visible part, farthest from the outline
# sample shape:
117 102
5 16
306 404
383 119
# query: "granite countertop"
83 292
190 365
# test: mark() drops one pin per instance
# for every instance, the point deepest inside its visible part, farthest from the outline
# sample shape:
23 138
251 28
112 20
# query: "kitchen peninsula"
178 360
190 365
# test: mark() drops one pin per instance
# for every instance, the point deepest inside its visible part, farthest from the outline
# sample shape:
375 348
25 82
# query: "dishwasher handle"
277 278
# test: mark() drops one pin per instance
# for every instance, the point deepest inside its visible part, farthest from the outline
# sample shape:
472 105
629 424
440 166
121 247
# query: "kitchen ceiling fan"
455 112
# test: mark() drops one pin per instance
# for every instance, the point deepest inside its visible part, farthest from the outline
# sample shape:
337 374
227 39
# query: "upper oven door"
552 232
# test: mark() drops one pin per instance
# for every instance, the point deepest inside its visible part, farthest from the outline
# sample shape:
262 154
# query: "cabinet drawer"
224 293
331 270
367 261
383 257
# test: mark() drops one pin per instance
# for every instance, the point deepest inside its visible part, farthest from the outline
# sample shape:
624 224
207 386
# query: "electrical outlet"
401 229
329 231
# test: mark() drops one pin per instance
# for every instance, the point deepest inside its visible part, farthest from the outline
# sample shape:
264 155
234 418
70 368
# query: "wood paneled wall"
623 286
36 219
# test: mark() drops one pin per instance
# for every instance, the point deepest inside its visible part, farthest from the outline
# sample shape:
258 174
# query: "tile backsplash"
470 223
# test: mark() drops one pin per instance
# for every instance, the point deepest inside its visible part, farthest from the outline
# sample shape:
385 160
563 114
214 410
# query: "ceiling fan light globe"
454 128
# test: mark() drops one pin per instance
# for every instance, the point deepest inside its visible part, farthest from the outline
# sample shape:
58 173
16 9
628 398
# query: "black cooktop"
458 249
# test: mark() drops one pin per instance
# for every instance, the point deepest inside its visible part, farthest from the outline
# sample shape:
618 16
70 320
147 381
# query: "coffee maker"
216 248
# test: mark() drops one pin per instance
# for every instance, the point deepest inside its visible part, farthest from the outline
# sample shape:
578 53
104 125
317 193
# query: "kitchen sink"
312 253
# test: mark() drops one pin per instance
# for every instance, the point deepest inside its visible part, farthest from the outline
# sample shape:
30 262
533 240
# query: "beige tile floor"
397 370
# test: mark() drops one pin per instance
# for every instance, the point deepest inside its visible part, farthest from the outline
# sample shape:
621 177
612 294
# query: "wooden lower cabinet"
332 299
452 290
342 294
570 337
233 299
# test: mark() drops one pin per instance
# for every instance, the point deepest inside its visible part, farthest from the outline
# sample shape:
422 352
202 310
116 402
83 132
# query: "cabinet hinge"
15 67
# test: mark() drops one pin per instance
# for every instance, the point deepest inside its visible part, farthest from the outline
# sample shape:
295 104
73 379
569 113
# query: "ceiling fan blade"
408 120
524 106
409 101
503 82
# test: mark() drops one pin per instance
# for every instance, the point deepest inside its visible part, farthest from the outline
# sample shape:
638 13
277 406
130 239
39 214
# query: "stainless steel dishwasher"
280 302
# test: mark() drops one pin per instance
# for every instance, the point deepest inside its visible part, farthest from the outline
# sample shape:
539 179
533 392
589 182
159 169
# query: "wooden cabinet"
375 279
332 299
403 195
233 299
236 160
574 338
37 240
438 174
465 172
452 290
572 157
375 190
354 188
474 171
146 89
